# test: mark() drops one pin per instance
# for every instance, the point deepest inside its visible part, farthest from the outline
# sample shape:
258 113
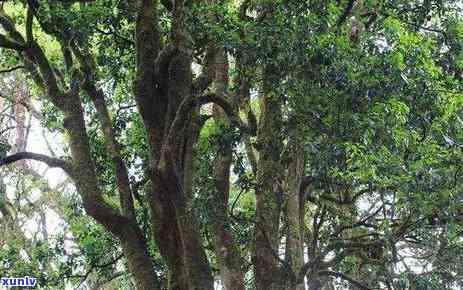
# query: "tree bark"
158 100
294 235
83 168
225 247
268 189
196 265
132 239
113 147
170 164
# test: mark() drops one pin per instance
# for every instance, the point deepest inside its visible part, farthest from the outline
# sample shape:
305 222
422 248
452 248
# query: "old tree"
234 145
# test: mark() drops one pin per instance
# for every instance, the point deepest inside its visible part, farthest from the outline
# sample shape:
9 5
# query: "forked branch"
190 103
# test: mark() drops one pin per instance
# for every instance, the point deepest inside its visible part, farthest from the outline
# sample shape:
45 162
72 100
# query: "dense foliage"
234 145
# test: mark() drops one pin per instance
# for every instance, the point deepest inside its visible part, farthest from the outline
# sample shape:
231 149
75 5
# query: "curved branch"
50 161
190 103
231 113
12 34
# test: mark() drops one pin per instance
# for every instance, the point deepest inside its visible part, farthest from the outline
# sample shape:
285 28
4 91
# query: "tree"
330 150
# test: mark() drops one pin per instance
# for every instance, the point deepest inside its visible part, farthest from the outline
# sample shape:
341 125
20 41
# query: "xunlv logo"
18 282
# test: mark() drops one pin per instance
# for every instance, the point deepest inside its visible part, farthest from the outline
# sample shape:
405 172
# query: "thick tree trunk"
139 261
84 172
153 105
113 147
294 235
196 265
167 237
176 230
225 248
132 239
176 168
315 284
268 189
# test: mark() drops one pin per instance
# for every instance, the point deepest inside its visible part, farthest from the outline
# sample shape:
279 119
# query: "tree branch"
347 11
11 69
190 103
8 25
50 161
112 32
29 22
5 42
146 95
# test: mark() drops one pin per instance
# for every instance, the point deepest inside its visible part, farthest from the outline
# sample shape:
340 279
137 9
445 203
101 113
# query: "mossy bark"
225 247
268 189
294 212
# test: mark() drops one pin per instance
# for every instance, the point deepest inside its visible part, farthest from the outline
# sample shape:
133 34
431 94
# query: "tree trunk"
294 238
84 172
132 239
167 238
315 284
268 190
196 265
175 228
225 248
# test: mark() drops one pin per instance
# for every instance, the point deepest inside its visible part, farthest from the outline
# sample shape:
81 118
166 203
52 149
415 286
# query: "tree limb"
190 103
8 25
146 95
50 161
112 32
5 42
347 11
11 69
29 22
